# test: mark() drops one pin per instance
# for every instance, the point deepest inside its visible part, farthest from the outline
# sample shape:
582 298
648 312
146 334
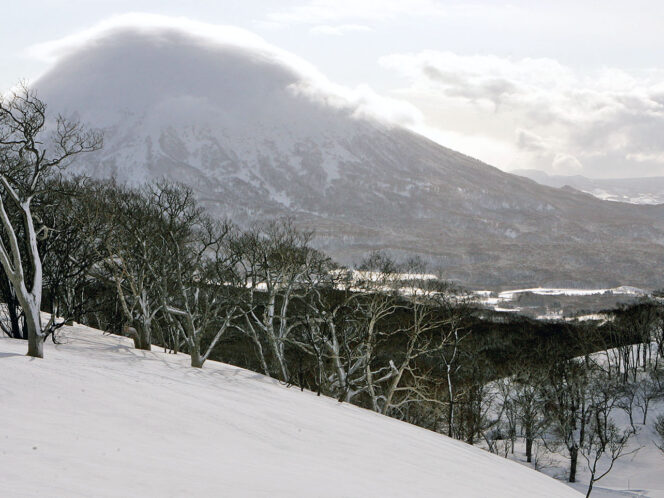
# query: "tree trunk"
18 331
450 410
35 335
143 339
196 359
141 342
573 456
529 449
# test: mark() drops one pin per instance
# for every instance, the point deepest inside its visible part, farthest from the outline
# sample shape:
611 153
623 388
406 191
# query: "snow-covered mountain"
632 190
257 133
99 418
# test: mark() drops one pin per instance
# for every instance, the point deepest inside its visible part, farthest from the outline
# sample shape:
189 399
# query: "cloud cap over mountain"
258 133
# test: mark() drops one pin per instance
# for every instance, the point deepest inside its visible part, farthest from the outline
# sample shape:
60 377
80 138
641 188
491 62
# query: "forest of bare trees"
150 263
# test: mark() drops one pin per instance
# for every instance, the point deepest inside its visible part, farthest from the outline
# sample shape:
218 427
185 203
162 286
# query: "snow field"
98 418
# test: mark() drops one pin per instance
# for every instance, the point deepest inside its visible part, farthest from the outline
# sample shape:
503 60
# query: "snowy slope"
257 134
639 473
98 418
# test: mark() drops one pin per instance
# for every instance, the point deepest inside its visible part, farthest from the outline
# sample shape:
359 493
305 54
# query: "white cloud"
361 100
230 35
602 123
646 158
509 112
364 102
338 30
317 12
565 164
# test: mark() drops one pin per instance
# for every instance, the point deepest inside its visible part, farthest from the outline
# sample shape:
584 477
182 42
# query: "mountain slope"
632 190
258 136
98 418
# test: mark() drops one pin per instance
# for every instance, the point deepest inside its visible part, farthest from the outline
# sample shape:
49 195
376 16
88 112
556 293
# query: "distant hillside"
257 136
98 418
632 190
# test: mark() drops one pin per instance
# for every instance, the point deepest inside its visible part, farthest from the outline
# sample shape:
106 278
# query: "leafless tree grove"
150 263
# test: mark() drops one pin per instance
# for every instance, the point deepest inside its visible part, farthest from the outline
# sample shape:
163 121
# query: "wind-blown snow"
98 418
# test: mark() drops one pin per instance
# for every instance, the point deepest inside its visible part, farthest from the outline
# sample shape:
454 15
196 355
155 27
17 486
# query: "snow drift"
98 418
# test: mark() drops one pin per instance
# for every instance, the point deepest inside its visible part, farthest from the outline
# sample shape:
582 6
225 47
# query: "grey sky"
567 87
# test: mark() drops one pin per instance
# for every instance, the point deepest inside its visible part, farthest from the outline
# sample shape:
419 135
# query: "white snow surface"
99 418
622 290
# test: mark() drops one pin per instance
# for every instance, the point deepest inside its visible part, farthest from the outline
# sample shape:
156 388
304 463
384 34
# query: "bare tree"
659 429
132 257
198 291
564 393
529 406
627 402
273 261
604 443
375 299
426 333
476 408
321 332
648 387
330 333
451 357
510 410
401 323
28 158
68 251
12 319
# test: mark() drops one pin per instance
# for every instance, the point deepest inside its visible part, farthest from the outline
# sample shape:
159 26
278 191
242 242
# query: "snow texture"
99 418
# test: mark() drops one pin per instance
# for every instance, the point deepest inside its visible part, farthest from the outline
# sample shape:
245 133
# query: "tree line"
150 263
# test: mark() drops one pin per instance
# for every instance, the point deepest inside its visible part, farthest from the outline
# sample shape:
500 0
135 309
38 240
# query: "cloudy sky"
565 87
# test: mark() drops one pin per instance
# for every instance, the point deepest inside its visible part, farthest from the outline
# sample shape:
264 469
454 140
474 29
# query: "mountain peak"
126 68
257 133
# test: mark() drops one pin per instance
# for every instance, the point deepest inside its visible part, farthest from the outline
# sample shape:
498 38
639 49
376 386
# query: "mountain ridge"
256 139
646 190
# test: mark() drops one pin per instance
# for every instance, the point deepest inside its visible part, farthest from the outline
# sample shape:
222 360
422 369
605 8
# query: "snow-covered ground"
98 418
637 474
624 290
506 301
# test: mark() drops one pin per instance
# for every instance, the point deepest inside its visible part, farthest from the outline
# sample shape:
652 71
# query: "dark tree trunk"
16 329
573 456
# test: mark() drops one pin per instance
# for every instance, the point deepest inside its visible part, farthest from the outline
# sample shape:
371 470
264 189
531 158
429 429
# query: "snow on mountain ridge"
217 125
256 138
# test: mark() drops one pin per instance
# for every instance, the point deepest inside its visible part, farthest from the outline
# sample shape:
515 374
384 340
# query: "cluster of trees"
151 261
567 405
28 164
148 262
